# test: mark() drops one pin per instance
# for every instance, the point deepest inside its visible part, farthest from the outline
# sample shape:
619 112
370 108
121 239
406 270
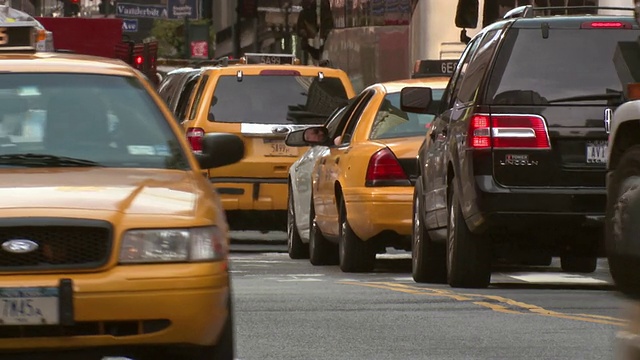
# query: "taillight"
385 170
194 135
508 132
606 25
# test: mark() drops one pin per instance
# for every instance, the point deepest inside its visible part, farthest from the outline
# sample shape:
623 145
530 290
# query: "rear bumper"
494 205
371 211
254 203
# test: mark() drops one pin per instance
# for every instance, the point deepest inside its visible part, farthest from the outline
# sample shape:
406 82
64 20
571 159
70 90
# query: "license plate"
276 147
597 152
29 306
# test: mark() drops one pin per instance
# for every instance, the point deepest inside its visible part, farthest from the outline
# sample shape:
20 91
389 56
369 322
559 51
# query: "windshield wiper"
44 160
608 96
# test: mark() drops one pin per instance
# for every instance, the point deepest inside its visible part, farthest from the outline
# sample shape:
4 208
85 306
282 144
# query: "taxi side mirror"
315 135
415 99
220 149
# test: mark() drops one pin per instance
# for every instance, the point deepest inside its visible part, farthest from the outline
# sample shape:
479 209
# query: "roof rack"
527 11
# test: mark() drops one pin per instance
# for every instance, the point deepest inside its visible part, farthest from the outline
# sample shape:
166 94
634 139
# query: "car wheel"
297 249
355 255
428 259
622 201
321 250
468 254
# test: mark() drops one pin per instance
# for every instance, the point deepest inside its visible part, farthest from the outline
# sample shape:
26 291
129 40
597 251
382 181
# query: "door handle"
323 161
337 160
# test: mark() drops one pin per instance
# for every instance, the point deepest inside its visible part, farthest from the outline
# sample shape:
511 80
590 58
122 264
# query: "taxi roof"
436 82
248 69
47 62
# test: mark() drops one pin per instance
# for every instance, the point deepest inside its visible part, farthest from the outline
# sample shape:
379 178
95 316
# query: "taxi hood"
129 191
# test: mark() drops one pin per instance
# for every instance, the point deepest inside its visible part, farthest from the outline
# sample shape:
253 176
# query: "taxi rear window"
276 99
108 121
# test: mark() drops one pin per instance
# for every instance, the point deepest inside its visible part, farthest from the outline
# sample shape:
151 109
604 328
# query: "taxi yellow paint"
340 175
256 186
192 298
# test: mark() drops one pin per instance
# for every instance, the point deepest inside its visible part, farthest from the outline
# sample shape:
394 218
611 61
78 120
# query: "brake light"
508 131
194 136
280 72
385 170
606 25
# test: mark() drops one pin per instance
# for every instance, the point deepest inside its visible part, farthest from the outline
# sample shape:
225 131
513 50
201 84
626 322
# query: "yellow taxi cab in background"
362 188
111 241
261 99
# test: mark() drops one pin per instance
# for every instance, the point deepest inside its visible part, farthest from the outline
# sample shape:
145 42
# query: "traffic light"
248 9
71 8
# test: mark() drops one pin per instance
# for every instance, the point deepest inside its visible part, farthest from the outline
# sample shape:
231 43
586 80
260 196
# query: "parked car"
362 187
177 87
514 168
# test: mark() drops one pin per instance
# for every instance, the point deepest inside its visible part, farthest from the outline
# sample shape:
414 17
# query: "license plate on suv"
596 152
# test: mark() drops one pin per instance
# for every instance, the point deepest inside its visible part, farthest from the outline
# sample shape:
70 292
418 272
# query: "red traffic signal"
138 60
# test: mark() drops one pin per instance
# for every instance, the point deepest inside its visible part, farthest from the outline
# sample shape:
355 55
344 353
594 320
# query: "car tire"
321 251
297 249
355 254
578 264
622 190
468 254
428 259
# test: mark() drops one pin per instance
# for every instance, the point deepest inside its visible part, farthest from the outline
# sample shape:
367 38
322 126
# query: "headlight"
173 245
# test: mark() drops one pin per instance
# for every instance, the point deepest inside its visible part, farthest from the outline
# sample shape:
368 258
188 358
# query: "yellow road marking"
497 305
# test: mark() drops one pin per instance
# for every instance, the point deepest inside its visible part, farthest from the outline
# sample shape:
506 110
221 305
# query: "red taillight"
606 25
194 135
385 170
508 131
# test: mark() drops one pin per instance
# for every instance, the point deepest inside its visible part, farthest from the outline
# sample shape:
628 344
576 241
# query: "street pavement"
289 309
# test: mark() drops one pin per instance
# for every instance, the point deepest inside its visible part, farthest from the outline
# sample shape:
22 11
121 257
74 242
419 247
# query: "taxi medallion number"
596 152
276 147
29 306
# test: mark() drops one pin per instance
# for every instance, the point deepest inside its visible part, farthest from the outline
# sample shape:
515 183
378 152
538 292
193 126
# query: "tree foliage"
170 35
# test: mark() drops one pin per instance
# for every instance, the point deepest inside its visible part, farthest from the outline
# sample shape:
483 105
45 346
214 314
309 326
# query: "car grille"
62 244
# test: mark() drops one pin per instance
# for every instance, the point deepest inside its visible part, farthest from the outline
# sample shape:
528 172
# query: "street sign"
141 11
179 9
130 25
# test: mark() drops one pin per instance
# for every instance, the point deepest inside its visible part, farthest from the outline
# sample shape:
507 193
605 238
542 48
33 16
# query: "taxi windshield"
65 119
391 122
276 99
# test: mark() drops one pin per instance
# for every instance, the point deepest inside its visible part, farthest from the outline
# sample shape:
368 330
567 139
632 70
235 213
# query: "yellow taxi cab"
362 188
261 99
111 241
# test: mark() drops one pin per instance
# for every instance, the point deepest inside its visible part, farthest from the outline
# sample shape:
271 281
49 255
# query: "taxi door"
332 163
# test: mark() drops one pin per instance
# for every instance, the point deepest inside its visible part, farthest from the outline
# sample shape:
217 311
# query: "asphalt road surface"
289 309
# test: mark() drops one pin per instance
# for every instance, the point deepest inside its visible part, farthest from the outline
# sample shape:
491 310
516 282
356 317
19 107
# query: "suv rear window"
276 99
531 70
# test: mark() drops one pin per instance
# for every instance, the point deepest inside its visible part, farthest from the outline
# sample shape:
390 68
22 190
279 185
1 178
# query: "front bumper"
185 304
371 211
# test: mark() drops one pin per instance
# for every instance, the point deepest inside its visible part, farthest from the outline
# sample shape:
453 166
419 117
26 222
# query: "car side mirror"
315 135
220 149
415 99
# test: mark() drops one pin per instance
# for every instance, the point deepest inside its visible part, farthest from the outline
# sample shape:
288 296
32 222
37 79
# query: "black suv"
512 169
